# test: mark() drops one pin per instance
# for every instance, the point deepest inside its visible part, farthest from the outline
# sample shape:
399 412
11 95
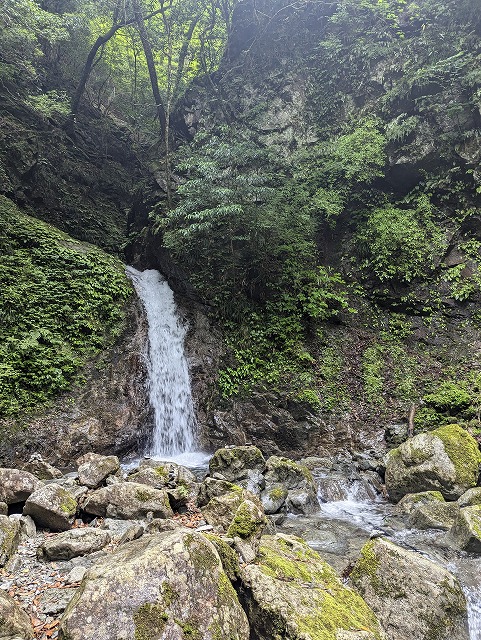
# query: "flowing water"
174 432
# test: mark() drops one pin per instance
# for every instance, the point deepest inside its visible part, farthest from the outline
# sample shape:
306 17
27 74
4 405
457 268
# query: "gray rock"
297 479
273 498
14 622
9 538
234 463
446 460
434 515
129 501
254 482
302 501
411 501
413 597
3 509
76 575
213 488
54 601
16 485
70 544
157 526
470 498
465 533
165 586
124 530
41 469
52 507
290 592
93 469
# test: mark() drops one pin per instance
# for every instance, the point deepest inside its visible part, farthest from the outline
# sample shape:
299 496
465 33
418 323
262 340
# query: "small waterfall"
473 599
168 375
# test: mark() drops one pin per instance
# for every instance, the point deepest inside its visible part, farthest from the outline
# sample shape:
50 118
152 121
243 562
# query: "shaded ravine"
174 432
342 526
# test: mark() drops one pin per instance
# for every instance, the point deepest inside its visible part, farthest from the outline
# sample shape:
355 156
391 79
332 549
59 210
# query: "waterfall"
167 370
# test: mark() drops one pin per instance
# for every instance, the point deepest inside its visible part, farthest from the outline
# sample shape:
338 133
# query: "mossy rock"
446 460
292 594
166 585
411 501
413 597
14 622
227 555
128 501
235 462
434 515
465 533
470 498
9 538
52 506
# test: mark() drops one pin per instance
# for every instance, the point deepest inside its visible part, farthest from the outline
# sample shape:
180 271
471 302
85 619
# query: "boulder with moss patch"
434 515
446 460
274 498
297 480
465 533
292 594
52 506
234 463
413 597
9 538
246 529
470 498
74 543
220 510
14 622
163 586
129 501
93 469
213 488
412 501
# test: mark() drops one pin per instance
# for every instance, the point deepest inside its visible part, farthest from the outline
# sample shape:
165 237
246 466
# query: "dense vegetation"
311 167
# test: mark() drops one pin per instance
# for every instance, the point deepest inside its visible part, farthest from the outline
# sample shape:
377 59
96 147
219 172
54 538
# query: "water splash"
167 370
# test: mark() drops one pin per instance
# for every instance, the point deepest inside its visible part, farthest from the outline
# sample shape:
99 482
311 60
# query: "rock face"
168 586
466 531
9 538
446 460
14 622
292 594
52 507
16 485
413 597
71 544
93 469
128 501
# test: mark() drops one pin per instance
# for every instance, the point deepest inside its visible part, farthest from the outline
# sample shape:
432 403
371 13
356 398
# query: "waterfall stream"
167 371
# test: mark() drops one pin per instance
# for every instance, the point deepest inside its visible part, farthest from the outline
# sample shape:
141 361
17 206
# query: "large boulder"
16 485
434 515
70 544
413 597
9 538
465 533
246 529
14 622
52 506
296 479
234 463
128 501
167 586
446 460
213 488
221 510
292 594
93 469
412 501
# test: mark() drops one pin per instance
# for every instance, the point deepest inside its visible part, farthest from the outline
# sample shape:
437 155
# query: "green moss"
277 494
68 505
161 471
190 630
244 524
278 560
169 594
448 397
284 467
367 567
201 555
149 620
462 449
228 556
143 495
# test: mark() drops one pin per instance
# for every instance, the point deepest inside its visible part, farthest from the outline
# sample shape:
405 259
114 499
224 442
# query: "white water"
170 396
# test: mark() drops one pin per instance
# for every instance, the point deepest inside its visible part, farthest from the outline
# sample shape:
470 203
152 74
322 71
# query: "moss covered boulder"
446 460
465 533
9 538
14 622
128 501
434 515
234 463
221 510
167 586
412 501
52 506
296 479
413 597
292 594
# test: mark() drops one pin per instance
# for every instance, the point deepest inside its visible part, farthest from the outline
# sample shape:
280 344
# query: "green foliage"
448 397
60 302
399 244
372 369
50 103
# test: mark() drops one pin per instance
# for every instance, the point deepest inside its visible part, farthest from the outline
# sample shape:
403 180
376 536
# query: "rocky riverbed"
262 549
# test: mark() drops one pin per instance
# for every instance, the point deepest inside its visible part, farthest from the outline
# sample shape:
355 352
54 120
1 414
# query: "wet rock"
446 460
165 586
465 533
52 507
413 597
292 593
41 469
254 482
128 501
297 479
93 469
9 538
434 515
16 485
14 622
70 544
274 498
470 498
396 434
234 463
412 501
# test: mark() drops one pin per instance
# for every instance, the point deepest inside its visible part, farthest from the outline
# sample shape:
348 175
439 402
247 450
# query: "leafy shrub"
449 397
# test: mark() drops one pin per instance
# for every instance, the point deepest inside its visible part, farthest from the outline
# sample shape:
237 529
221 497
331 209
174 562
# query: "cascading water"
167 370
